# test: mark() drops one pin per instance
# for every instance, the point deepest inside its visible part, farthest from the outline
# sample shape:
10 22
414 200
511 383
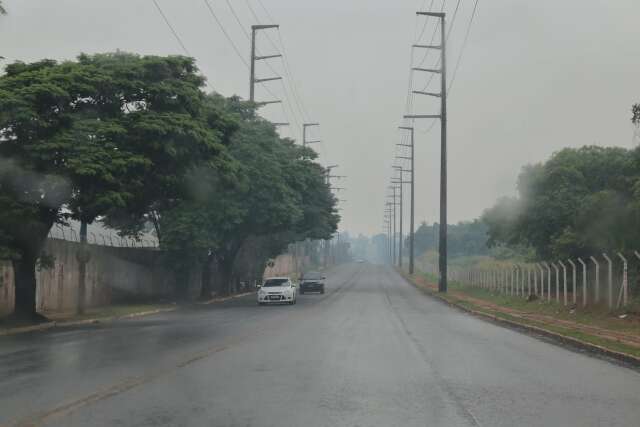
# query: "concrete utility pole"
395 204
387 221
304 133
327 243
252 78
412 213
400 181
442 283
399 186
392 207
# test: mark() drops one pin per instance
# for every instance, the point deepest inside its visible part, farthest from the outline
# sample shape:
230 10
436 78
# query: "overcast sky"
535 77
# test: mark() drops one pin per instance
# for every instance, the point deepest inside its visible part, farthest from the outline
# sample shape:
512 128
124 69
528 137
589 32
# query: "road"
372 351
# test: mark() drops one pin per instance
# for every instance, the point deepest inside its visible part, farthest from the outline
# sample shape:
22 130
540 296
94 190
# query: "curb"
62 324
222 299
568 341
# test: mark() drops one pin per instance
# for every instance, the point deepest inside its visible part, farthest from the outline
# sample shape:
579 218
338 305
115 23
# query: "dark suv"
312 282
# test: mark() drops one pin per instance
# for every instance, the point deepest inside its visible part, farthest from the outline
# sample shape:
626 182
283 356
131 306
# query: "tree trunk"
25 290
225 267
207 283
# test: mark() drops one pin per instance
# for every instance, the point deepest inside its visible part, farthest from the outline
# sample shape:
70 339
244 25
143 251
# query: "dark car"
312 282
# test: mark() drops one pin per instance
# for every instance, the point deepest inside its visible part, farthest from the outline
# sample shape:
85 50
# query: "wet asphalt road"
372 351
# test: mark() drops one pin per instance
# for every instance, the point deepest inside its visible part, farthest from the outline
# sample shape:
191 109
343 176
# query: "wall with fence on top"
608 279
113 274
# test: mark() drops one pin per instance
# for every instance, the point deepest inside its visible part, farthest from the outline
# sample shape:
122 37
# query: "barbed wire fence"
69 234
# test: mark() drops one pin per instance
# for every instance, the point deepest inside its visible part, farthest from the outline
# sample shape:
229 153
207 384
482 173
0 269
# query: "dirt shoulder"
594 328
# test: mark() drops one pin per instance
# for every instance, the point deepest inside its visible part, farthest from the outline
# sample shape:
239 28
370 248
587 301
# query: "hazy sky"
535 77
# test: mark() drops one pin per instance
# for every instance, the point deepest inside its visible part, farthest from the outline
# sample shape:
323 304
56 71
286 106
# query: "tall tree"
278 196
579 202
108 134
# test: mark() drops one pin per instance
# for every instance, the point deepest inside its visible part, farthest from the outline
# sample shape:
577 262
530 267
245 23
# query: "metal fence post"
512 274
541 280
584 282
528 281
555 267
574 277
546 265
610 278
625 280
597 293
505 281
564 270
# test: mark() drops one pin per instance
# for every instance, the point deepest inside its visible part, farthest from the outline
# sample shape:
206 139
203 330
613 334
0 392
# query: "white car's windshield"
272 283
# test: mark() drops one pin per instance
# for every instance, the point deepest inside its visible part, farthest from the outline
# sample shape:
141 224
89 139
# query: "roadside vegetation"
135 143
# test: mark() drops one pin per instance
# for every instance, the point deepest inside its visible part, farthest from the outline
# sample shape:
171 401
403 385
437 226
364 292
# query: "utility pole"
411 221
304 133
400 181
442 282
390 239
394 237
252 78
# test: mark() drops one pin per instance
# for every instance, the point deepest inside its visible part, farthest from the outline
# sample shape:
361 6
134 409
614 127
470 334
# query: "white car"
277 290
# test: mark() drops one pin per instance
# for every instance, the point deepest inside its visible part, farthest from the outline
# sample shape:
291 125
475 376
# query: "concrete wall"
113 275
117 275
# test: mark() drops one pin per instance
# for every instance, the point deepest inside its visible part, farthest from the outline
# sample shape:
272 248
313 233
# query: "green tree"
110 134
579 202
464 238
278 196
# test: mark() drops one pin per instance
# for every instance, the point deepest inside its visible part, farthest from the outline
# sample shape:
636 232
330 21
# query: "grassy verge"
593 325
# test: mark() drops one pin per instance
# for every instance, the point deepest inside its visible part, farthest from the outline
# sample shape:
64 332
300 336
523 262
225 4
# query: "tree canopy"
581 201
278 196
107 135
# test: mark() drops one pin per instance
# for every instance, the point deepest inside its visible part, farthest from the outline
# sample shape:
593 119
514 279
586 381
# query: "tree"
464 238
110 134
579 202
278 195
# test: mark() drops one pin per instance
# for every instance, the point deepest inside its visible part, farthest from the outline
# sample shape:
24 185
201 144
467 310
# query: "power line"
175 34
276 74
459 60
464 45
285 61
424 27
177 37
224 31
292 85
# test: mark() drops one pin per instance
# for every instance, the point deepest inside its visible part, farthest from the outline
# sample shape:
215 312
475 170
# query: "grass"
595 315
548 315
